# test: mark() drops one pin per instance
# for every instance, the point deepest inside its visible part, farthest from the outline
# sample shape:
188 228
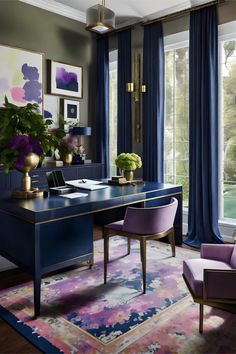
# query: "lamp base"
32 193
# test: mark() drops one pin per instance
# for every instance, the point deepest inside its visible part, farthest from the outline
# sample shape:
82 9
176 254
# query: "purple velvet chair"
211 279
142 224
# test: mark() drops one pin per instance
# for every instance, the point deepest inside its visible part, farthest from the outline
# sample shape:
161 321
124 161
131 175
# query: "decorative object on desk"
67 147
66 79
79 156
27 151
51 110
122 181
21 76
128 162
70 112
24 121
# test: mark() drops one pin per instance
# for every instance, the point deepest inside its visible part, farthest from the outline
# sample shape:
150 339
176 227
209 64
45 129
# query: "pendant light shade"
100 19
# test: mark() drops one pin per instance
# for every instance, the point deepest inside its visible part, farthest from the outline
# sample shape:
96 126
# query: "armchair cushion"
221 253
193 270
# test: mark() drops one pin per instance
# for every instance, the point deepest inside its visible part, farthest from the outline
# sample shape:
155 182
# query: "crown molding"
176 8
58 8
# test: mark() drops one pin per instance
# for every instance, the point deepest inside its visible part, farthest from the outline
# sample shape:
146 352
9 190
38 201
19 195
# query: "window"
113 111
228 128
176 131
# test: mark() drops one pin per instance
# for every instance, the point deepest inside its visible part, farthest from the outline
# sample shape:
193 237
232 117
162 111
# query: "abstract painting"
51 110
71 112
21 76
66 80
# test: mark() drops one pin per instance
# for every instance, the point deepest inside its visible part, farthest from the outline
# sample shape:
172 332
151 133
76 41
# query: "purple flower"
24 144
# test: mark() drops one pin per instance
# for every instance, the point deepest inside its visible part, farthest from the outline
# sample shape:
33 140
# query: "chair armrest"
221 253
219 284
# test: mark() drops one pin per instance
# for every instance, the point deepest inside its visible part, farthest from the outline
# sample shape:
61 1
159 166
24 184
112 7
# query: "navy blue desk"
46 234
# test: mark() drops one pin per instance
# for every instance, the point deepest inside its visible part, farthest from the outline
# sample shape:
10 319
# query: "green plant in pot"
25 139
128 162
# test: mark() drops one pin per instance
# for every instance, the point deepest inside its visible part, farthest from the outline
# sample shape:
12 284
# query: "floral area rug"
82 315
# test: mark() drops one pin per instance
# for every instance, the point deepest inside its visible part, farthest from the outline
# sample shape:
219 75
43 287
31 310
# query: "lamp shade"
100 19
81 130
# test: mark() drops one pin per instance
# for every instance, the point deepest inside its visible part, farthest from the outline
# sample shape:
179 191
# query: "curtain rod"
183 12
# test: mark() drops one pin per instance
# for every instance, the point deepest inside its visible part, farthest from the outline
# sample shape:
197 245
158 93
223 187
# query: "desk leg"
37 272
37 293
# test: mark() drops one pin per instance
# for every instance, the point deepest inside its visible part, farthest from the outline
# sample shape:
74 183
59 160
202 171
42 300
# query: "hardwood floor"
10 340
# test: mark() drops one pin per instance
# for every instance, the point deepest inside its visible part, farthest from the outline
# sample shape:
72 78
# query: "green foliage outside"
229 113
176 119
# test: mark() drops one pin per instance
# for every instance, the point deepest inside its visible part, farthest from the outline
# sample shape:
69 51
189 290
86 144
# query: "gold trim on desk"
88 212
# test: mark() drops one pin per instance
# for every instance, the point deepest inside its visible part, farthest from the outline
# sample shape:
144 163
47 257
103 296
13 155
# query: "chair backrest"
150 220
233 258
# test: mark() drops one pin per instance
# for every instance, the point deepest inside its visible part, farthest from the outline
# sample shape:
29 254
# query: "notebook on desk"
88 184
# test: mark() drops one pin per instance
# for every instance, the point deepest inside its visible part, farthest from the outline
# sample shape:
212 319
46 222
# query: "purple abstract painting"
21 76
66 79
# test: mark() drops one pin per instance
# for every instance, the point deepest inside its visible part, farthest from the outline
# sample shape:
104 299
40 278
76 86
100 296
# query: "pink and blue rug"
82 315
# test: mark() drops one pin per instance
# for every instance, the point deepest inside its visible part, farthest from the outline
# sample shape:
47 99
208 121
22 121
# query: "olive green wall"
60 39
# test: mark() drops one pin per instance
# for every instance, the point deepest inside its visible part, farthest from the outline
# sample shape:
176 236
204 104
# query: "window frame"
177 41
226 32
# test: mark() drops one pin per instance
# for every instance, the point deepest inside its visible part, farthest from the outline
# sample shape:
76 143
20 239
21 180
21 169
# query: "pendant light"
100 19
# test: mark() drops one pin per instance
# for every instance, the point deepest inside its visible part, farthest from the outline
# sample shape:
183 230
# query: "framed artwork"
21 76
66 80
51 110
71 112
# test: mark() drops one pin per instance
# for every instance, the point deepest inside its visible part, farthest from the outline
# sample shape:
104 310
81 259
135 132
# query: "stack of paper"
74 195
86 184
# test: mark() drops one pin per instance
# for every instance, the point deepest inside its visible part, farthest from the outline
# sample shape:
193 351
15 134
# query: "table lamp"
80 156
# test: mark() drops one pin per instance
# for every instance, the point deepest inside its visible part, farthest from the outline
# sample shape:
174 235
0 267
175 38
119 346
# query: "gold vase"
67 159
129 175
26 192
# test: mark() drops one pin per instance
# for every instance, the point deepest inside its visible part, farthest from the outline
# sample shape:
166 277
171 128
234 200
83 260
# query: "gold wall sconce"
137 89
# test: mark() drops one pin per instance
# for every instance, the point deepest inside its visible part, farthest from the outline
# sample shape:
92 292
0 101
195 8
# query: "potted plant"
67 147
32 127
128 162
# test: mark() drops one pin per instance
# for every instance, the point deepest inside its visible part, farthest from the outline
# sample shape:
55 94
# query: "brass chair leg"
200 318
128 245
143 259
171 238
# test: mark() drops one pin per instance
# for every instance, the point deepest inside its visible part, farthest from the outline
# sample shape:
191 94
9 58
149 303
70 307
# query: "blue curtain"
102 104
153 103
203 128
124 143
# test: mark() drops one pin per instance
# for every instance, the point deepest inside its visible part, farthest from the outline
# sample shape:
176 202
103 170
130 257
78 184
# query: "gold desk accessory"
26 191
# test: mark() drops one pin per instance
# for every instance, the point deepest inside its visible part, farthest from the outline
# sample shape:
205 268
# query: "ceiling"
127 11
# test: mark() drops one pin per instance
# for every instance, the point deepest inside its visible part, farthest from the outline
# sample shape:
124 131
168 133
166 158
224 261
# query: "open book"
88 184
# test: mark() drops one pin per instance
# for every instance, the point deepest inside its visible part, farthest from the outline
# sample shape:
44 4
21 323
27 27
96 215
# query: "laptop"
57 184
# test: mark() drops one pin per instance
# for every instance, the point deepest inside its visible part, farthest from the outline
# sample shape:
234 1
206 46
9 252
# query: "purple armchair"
211 279
142 224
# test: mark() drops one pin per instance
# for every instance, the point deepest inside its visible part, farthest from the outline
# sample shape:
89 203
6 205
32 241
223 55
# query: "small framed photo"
65 79
52 110
71 112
